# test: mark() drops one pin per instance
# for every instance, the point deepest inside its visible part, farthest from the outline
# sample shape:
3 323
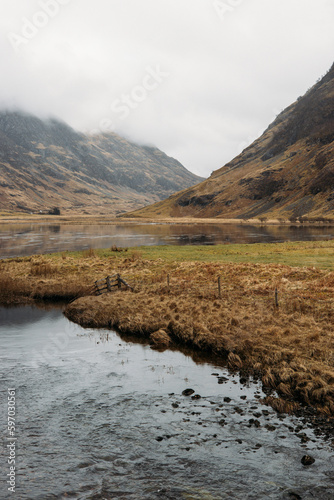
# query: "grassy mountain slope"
46 163
287 172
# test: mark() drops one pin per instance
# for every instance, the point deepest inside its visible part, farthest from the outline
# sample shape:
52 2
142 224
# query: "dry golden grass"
89 253
291 348
40 279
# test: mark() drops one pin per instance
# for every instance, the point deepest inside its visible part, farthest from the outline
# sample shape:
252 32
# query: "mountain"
287 173
46 164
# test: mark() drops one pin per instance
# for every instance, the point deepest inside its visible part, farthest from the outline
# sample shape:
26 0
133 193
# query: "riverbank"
135 426
177 301
79 218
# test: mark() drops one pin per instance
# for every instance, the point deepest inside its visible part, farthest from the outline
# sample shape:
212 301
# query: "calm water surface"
102 418
28 239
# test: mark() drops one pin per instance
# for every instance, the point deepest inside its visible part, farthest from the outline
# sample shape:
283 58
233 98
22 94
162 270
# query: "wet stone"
227 400
196 396
307 460
270 427
188 392
243 397
292 496
254 422
175 405
222 380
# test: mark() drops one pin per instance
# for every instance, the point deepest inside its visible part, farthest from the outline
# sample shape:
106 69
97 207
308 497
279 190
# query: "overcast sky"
200 79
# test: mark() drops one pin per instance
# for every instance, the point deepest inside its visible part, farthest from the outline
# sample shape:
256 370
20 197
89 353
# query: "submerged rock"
188 392
307 460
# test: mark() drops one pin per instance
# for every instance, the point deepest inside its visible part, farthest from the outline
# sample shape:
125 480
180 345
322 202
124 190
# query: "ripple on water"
109 420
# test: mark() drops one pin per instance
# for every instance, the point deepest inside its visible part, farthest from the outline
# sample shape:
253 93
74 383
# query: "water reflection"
99 417
28 239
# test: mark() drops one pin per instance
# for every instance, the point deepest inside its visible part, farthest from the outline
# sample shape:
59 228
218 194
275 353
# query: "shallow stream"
98 417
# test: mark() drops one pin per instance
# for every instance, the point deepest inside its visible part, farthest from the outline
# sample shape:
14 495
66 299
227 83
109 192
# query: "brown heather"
291 348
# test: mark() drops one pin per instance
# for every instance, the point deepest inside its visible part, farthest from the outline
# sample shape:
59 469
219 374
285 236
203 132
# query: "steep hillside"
287 172
48 164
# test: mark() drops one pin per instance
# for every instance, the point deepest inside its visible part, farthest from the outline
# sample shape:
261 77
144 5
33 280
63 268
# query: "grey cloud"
227 78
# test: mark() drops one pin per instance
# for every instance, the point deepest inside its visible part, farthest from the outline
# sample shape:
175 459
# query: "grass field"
319 254
176 301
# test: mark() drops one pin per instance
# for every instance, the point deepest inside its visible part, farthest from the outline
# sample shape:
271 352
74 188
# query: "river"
27 239
101 417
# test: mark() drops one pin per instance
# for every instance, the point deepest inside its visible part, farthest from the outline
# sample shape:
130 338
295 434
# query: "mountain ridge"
46 163
287 172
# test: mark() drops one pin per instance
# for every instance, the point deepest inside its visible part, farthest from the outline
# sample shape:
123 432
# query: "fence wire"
215 289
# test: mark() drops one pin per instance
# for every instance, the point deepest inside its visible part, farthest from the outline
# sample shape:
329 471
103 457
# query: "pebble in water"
188 392
307 460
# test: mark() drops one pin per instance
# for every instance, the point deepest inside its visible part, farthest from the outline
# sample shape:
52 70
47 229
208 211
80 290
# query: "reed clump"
89 253
44 269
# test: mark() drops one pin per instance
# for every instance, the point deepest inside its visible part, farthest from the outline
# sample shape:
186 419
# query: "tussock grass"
89 253
43 269
290 348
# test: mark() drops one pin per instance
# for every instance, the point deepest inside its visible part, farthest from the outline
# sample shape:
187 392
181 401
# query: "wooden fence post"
168 281
119 283
108 283
276 297
219 288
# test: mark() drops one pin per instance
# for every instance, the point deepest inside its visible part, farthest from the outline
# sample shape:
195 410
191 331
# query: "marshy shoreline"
176 302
